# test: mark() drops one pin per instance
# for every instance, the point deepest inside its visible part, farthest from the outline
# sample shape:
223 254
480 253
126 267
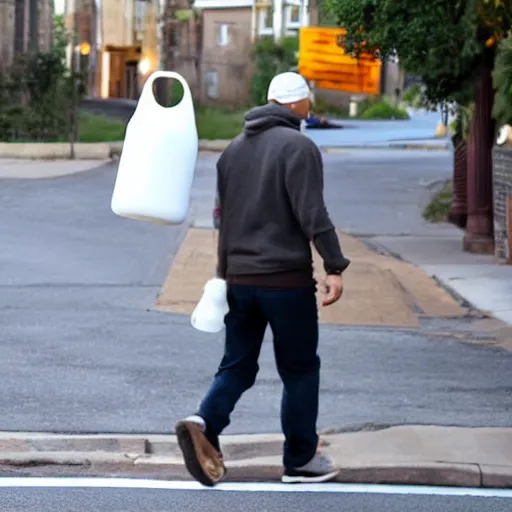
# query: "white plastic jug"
208 315
158 160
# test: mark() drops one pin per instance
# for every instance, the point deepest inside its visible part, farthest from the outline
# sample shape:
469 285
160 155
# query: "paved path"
405 293
245 499
83 351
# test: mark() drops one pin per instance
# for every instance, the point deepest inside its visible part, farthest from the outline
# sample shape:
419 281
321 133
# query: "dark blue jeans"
293 318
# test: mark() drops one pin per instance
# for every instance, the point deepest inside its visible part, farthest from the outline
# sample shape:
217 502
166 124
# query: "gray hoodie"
270 200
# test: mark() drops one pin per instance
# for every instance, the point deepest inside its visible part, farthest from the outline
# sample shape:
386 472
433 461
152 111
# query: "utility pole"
75 73
310 13
278 21
305 9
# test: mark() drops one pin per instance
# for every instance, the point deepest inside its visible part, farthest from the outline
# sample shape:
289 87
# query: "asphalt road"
128 500
81 351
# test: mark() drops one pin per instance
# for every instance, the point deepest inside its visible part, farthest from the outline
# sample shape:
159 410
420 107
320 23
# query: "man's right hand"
334 289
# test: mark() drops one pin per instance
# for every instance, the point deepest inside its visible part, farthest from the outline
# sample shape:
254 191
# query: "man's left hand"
334 289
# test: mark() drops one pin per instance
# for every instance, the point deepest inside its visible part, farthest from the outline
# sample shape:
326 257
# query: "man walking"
270 192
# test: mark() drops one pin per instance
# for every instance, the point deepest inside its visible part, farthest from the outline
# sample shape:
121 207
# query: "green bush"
36 99
413 96
271 58
38 94
503 83
368 102
383 110
322 107
439 208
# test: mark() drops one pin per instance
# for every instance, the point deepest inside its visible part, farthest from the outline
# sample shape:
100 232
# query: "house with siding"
229 30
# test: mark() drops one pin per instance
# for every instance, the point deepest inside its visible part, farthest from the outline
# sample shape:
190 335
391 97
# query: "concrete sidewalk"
420 455
420 128
379 290
11 168
478 280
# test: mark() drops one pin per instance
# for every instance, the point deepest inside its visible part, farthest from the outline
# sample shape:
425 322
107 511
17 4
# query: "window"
222 34
293 17
140 15
212 84
294 14
265 20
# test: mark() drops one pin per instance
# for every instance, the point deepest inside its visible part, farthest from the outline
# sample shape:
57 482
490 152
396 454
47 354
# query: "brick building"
502 185
15 27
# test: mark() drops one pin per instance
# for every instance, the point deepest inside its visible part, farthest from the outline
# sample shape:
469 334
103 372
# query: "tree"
60 37
452 45
432 39
503 82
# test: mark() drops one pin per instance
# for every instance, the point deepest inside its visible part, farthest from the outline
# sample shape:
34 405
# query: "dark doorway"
131 80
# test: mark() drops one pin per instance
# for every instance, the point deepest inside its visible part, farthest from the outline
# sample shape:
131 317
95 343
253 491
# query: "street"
83 351
393 393
165 496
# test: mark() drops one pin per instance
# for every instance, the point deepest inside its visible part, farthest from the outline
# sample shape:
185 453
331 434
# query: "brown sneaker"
202 460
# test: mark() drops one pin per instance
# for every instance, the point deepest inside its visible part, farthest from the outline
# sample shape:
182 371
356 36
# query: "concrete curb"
83 151
55 151
110 150
408 147
263 469
395 455
216 146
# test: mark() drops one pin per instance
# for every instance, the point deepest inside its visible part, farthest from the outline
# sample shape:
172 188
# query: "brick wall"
502 185
45 24
15 28
7 12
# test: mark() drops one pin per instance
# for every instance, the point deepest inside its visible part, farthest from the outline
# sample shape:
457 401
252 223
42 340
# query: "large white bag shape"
156 168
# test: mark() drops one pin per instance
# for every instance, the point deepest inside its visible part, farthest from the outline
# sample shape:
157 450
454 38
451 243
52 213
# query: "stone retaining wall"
502 186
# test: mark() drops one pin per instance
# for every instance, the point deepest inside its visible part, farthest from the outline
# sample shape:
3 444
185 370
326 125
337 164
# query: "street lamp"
144 66
85 49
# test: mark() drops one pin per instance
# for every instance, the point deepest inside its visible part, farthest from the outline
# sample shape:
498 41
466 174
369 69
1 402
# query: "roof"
222 4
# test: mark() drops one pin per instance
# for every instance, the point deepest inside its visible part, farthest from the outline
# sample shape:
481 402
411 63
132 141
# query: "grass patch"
221 123
439 208
215 123
382 110
99 128
212 124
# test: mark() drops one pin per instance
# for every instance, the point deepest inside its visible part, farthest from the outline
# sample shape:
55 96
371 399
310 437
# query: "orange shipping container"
322 59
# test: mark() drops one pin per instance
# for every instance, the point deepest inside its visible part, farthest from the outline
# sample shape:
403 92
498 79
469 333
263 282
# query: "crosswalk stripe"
174 485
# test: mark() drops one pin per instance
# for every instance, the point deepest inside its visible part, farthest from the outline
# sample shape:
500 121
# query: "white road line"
126 483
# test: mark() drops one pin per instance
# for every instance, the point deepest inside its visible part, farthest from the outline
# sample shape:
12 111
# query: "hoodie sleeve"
304 184
217 216
216 211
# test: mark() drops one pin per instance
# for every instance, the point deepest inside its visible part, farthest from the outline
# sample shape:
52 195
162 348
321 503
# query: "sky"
59 6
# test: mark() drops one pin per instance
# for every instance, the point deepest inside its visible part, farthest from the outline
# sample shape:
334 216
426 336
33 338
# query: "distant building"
117 43
15 27
229 29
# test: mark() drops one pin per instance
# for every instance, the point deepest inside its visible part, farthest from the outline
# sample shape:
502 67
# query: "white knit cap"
288 88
